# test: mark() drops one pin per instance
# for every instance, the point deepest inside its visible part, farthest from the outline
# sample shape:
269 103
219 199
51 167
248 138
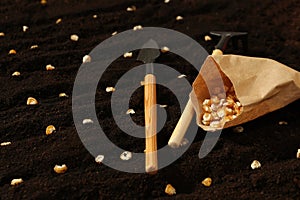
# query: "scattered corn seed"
184 142
163 106
207 38
255 164
99 159
58 21
127 55
5 143
207 102
282 123
25 28
87 121
114 33
50 67
95 16
298 153
138 27
207 117
86 59
63 95
181 76
12 52
34 46
217 52
165 49
238 129
130 111
74 37
166 1
131 8
216 124
207 108
207 182
126 155
142 82
179 18
16 181
31 101
43 2
110 89
170 190
60 169
16 73
2 34
50 129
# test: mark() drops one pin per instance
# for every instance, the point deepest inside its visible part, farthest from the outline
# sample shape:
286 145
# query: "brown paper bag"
261 85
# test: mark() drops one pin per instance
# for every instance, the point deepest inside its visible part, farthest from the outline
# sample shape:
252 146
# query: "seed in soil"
131 8
86 59
2 34
50 67
255 164
179 18
12 52
74 37
207 182
298 153
181 76
16 73
32 101
127 55
170 190
126 155
25 28
34 46
16 181
5 143
63 95
87 121
138 27
43 2
207 38
114 33
60 169
166 1
165 49
282 123
58 21
95 16
130 111
50 129
110 89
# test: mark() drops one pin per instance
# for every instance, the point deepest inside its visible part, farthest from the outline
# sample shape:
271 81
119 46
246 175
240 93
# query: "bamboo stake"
150 123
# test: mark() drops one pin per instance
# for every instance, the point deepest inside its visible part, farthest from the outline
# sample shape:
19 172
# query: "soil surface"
273 28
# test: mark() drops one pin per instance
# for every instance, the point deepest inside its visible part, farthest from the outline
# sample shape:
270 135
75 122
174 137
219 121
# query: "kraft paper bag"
261 85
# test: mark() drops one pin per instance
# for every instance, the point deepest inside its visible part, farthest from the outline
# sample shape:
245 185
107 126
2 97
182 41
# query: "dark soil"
273 27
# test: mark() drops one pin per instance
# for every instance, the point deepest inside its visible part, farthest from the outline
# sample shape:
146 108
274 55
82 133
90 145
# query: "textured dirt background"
273 28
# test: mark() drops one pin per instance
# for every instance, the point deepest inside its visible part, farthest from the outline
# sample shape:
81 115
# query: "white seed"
238 129
127 55
138 27
170 190
25 28
207 117
207 108
221 112
207 38
126 155
63 95
215 124
298 153
110 89
58 21
2 34
99 159
16 73
255 164
115 33
86 59
184 142
50 129
131 9
50 67
34 46
87 121
43 2
16 181
181 76
282 123
142 82
165 49
178 18
217 52
166 1
60 169
95 16
207 182
31 101
12 52
207 102
74 37
163 106
5 143
130 111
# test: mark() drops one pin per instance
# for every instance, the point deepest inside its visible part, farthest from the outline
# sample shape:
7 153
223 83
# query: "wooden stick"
150 123
182 125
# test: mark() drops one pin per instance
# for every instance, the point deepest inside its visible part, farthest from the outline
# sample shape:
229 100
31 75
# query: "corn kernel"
16 73
114 33
110 89
87 121
126 155
34 46
50 67
25 28
255 164
12 52
99 159
86 59
207 117
298 153
181 76
207 102
179 18
170 190
166 1
5 143
60 169
165 49
50 129
282 123
206 108
2 34
217 52
138 27
63 95
74 37
131 9
207 38
58 21
130 111
207 182
31 101
43 2
127 55
16 181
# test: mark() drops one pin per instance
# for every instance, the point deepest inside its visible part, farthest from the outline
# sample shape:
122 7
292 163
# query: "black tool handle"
222 44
